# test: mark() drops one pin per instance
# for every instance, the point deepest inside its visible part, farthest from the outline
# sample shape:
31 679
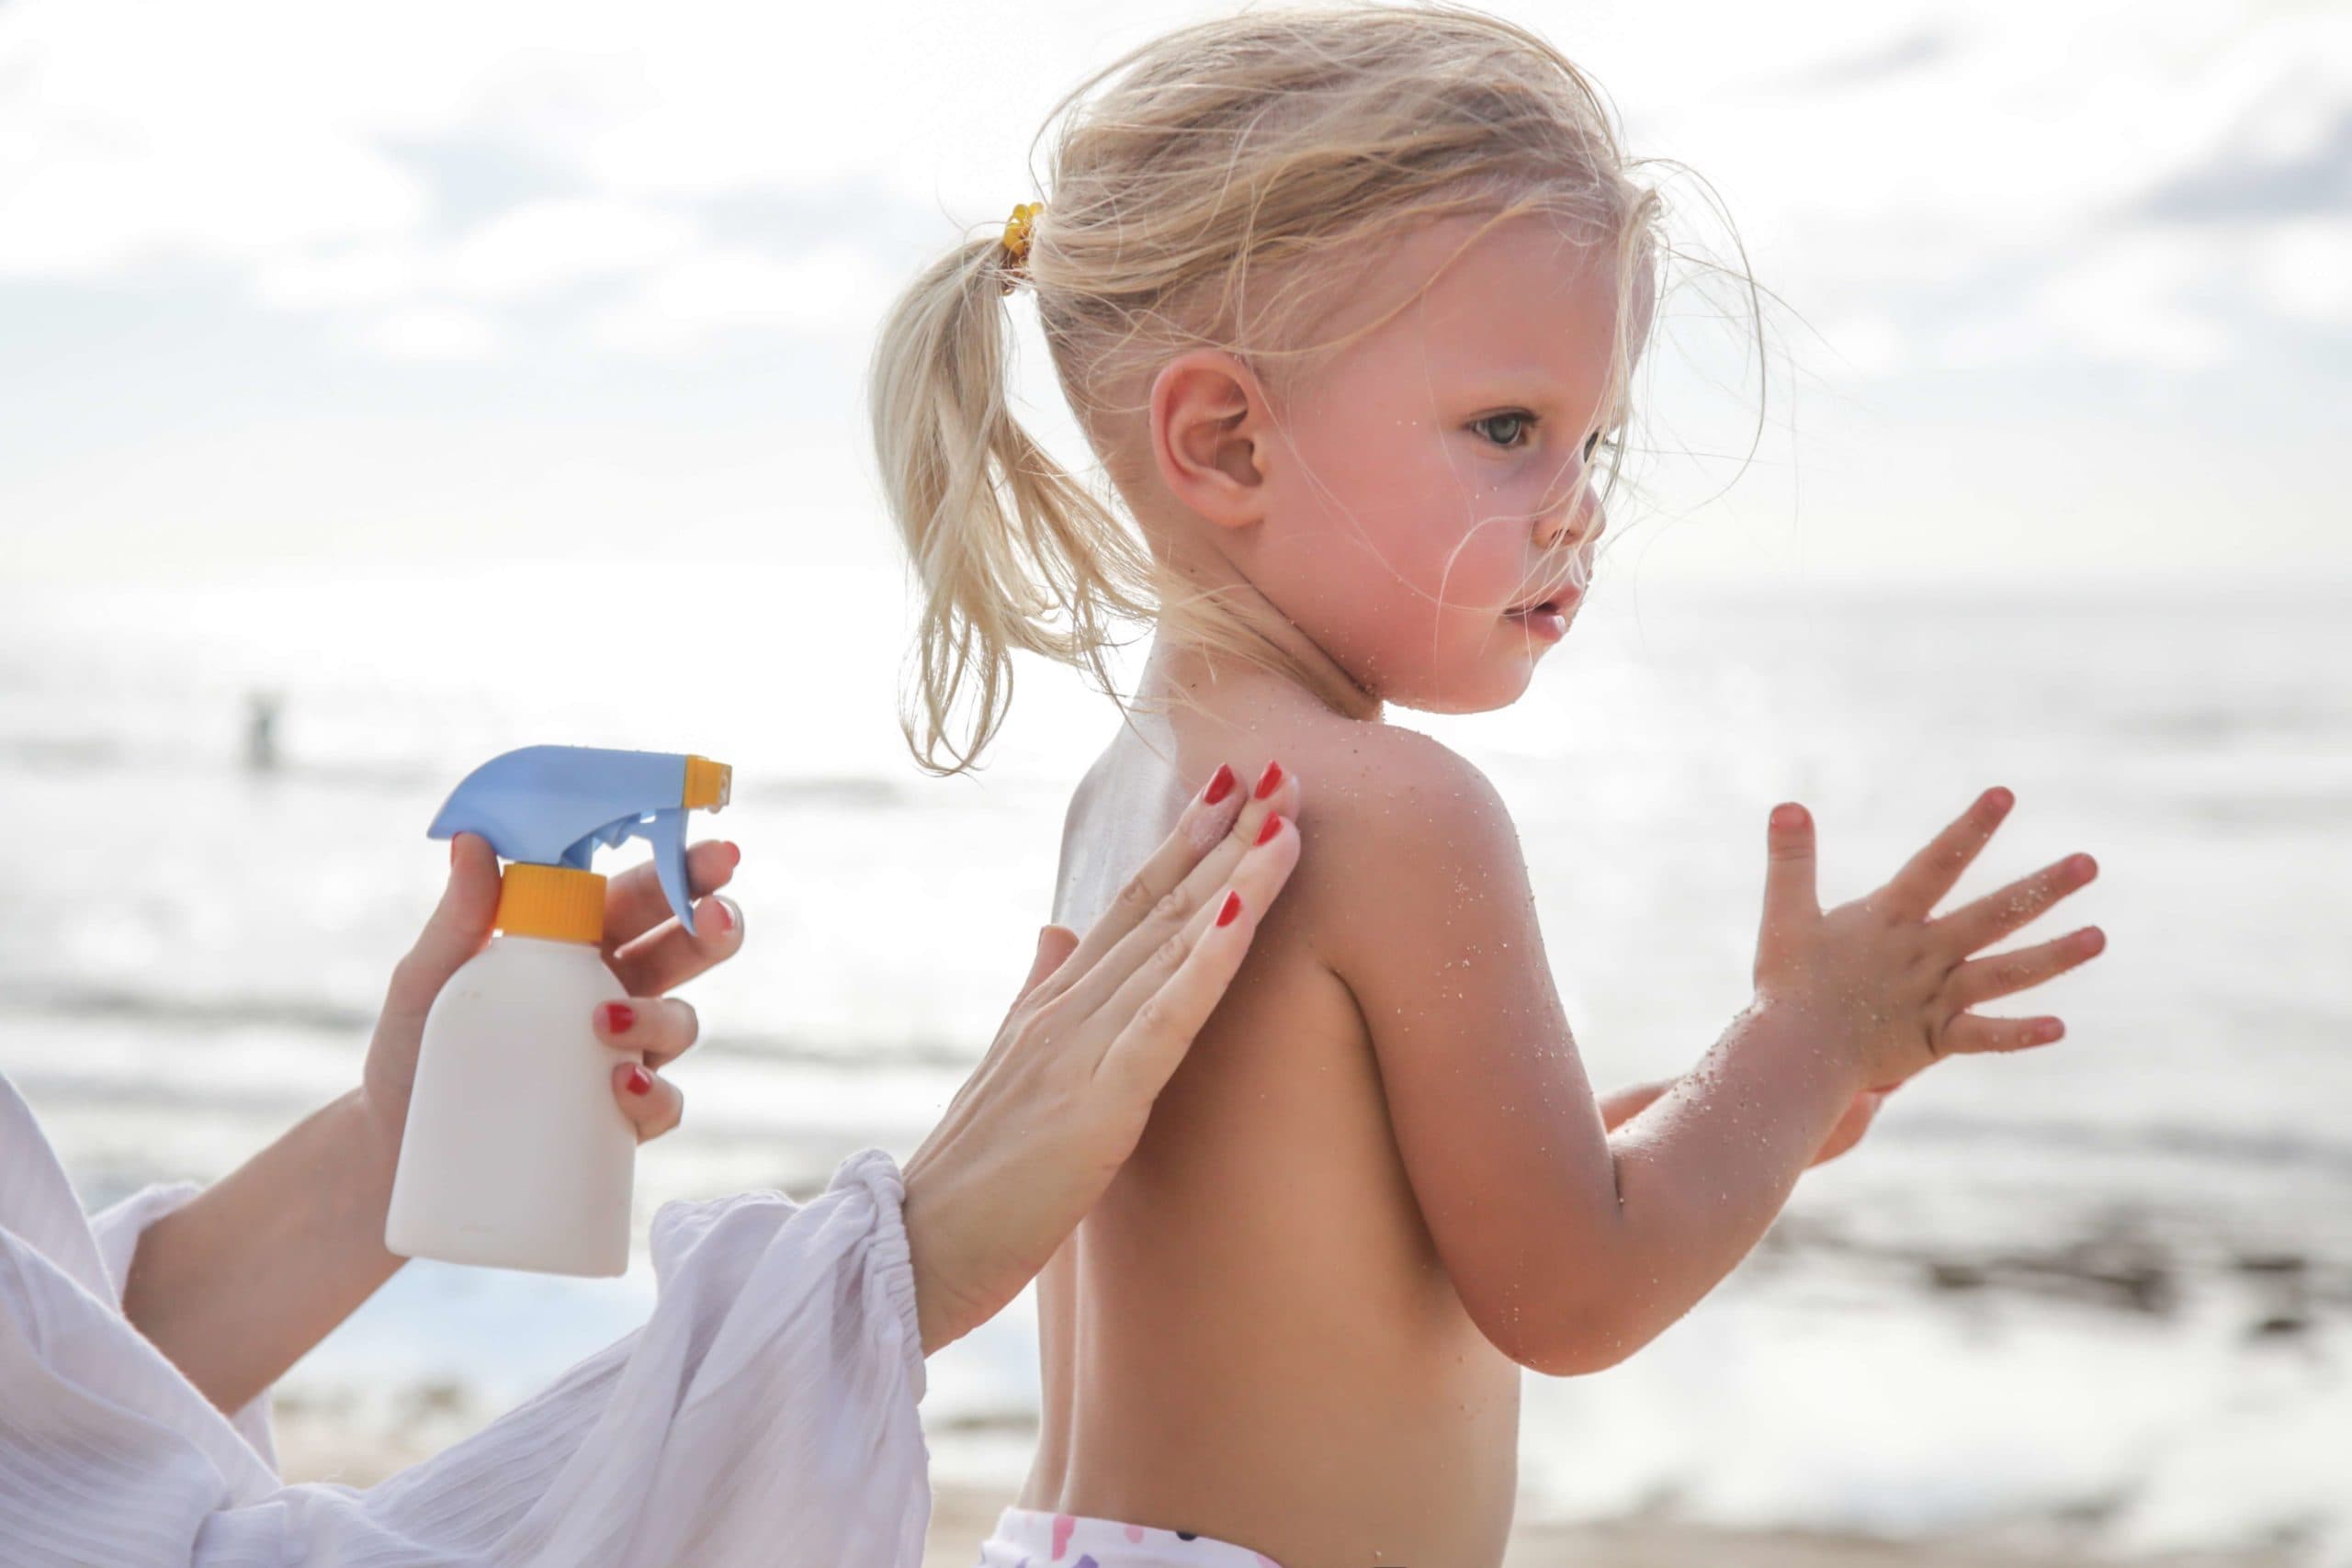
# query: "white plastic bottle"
515 1154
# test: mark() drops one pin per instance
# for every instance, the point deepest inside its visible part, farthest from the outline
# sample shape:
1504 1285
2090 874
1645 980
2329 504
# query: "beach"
2095 1300
313 1447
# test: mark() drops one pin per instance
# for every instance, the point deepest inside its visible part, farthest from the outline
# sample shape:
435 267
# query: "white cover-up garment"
766 1413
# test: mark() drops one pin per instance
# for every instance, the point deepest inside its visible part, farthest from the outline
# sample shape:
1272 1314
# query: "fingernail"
1273 826
1220 784
1268 781
638 1081
619 1017
1226 916
726 916
1788 818
736 849
453 850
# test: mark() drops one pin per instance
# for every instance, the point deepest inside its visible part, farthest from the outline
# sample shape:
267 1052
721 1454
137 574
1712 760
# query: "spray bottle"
515 1154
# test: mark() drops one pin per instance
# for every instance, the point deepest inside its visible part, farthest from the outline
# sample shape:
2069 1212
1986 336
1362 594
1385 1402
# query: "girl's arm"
1621 1105
1569 1243
1572 1246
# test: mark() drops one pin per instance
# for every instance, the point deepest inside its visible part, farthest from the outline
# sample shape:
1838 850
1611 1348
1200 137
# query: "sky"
2058 290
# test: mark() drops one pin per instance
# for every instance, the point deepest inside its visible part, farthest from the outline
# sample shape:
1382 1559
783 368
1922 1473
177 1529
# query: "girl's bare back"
1252 1336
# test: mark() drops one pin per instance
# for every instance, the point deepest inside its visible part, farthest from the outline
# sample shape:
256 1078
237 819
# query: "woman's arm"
782 1337
239 1282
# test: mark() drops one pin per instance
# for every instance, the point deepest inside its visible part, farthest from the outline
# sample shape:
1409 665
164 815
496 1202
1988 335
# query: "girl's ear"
1208 428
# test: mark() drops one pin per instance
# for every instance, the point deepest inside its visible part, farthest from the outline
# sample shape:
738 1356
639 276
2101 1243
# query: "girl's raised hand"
1885 979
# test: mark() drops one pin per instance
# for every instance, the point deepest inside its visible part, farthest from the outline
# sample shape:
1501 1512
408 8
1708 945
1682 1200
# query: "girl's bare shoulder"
1392 815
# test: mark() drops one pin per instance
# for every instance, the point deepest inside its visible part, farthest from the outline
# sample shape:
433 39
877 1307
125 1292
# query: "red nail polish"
1220 784
453 851
638 1081
724 915
736 849
1273 824
1268 781
619 1016
1226 916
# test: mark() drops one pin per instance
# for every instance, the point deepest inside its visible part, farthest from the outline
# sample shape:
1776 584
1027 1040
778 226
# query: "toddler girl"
1346 301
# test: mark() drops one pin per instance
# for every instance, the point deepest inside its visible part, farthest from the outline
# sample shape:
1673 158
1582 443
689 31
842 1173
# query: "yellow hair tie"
1017 231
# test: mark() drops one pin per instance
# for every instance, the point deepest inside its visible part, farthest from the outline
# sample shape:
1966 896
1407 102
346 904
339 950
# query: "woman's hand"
644 945
1880 979
239 1283
1056 1107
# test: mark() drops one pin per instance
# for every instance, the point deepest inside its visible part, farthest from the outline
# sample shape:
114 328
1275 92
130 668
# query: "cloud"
2241 183
702 299
1889 162
432 333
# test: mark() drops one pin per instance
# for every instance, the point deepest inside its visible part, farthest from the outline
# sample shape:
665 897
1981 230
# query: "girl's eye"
1515 422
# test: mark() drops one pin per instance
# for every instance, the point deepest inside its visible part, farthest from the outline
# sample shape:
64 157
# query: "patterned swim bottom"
1031 1538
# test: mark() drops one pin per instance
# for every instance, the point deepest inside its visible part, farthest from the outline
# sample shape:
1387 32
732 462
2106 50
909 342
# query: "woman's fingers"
1988 920
634 904
1055 944
651 1102
1204 824
1276 792
1172 994
668 956
660 1027
1999 973
1926 877
659 1030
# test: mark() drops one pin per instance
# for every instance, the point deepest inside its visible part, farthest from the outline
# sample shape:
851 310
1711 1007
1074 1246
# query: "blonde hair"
1218 186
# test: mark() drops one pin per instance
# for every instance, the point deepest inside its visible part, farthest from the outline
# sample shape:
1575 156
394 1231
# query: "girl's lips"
1547 622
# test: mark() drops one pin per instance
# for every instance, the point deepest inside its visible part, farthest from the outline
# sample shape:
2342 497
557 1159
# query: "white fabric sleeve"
117 1230
765 1414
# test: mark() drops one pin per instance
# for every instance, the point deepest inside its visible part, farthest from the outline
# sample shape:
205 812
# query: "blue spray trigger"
558 804
666 832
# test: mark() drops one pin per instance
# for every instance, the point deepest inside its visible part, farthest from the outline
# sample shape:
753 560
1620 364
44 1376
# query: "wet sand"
962 1516
316 1444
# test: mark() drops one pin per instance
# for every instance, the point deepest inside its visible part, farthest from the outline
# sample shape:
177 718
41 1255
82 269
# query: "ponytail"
1013 551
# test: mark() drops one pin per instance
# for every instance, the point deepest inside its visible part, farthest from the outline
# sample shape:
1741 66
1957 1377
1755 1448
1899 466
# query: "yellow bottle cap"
551 901
708 783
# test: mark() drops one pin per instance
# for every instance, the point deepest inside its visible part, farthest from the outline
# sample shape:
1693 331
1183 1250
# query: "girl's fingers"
1204 824
660 1027
1970 1033
651 1102
1995 915
1163 1005
667 957
1927 876
1999 973
1790 903
634 904
1089 987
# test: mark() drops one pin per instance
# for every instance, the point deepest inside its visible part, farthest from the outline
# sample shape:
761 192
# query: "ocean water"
2097 1295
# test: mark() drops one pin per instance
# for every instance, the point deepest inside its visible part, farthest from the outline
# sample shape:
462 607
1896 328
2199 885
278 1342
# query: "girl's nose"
1570 526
